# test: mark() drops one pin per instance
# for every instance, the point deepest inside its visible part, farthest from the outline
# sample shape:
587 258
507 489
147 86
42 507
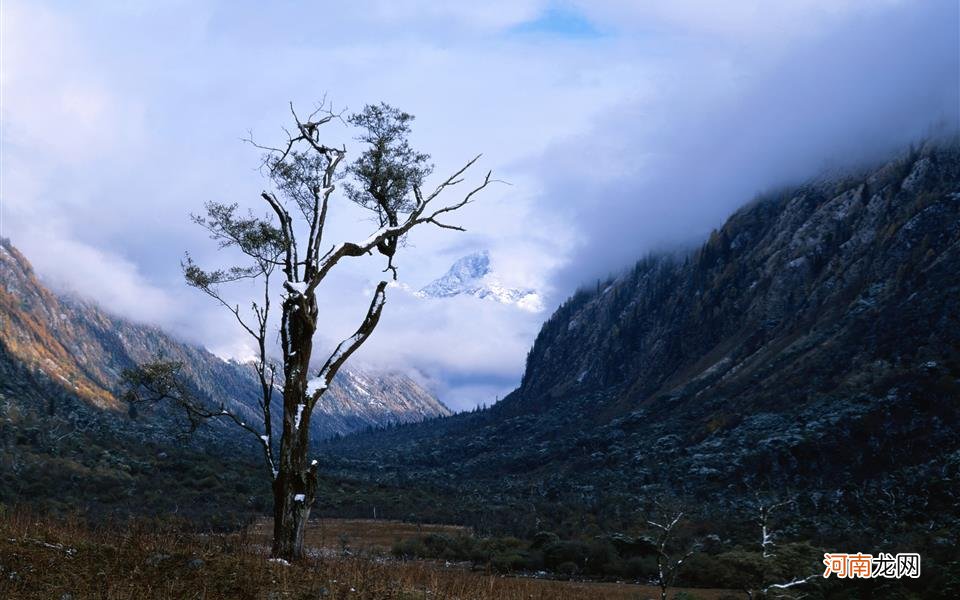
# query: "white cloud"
56 102
121 119
71 266
460 344
732 125
741 20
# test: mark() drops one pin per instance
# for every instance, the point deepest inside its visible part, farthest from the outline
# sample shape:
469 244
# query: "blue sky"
559 21
621 126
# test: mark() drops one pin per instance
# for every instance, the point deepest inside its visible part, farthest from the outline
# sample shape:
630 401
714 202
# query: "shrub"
601 557
567 569
639 567
558 553
543 539
508 563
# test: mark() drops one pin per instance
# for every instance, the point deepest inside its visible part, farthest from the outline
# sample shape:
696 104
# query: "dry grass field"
369 535
45 559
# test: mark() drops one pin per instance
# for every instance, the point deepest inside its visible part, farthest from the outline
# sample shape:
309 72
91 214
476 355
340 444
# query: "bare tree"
767 573
765 508
290 244
669 559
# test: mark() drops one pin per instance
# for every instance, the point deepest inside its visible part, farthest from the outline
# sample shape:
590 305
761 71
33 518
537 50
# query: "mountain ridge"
472 275
74 341
811 344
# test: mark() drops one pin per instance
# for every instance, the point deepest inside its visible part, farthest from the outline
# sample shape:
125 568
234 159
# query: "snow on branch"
789 584
348 346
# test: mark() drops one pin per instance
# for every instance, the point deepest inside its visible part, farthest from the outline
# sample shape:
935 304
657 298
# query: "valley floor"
40 558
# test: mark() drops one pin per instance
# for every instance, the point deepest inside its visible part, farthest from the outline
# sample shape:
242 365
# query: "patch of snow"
472 276
299 498
279 561
463 272
316 384
295 287
358 384
296 423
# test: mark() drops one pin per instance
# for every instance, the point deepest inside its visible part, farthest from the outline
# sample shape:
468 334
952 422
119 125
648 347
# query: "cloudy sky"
621 127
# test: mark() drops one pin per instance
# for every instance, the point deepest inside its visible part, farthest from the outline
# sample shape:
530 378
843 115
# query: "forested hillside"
808 351
70 442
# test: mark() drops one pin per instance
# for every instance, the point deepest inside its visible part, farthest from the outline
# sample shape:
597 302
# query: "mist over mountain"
755 108
472 275
525 299
645 131
84 349
809 348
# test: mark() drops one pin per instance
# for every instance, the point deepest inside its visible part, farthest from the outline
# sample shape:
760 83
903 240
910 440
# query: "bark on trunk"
294 491
289 523
294 486
290 515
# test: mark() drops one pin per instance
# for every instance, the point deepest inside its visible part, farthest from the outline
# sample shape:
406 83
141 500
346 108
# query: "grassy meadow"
349 559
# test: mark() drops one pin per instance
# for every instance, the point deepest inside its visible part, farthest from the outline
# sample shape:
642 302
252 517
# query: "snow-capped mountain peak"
471 275
464 273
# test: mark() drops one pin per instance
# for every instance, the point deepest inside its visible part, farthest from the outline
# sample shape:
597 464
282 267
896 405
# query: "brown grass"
46 559
376 536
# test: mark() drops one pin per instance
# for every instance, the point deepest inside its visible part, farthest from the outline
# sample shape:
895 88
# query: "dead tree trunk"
668 565
294 486
388 178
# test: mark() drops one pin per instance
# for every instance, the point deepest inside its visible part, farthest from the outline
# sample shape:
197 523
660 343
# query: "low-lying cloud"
725 127
621 127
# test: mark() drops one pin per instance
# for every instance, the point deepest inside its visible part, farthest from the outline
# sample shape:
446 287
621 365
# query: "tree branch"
160 380
289 242
348 346
416 217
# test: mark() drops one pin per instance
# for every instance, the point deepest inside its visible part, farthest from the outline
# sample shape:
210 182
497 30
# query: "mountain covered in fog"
84 349
810 348
68 443
472 275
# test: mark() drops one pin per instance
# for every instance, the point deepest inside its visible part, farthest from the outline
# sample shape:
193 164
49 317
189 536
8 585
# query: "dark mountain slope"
61 453
836 270
68 443
812 344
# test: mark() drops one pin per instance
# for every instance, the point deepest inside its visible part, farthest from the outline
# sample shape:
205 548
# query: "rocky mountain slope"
360 399
809 349
472 276
61 452
84 349
68 443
